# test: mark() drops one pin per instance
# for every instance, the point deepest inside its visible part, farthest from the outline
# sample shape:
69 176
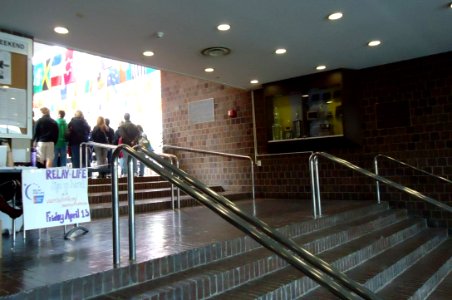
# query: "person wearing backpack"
144 143
129 134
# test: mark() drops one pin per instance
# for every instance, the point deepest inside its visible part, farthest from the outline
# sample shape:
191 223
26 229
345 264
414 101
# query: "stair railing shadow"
312 266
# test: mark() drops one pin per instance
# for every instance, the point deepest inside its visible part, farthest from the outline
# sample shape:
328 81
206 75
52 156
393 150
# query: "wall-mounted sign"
15 86
201 111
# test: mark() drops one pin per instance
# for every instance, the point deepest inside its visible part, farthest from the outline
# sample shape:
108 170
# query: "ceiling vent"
216 51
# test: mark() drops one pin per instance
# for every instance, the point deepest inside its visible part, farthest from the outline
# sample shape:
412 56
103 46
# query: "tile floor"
45 257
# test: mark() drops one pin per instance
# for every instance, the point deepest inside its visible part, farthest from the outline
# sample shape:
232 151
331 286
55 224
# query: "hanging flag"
68 75
46 84
113 76
38 75
57 70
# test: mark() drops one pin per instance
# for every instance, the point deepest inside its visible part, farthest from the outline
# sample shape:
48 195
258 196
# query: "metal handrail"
403 164
253 189
172 158
313 166
85 145
174 161
298 257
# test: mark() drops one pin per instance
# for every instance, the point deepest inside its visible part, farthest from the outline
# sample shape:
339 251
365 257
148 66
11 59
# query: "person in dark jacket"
78 133
100 135
111 139
44 139
129 134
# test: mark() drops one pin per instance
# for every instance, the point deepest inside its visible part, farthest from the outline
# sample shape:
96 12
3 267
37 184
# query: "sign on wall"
201 111
15 86
55 197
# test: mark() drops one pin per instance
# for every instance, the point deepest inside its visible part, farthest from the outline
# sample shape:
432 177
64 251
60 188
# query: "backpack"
130 134
144 142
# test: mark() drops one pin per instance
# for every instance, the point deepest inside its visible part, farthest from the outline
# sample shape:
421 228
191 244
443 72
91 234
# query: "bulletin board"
15 86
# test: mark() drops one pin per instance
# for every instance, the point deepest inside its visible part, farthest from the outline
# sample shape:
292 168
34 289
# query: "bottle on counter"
297 126
276 127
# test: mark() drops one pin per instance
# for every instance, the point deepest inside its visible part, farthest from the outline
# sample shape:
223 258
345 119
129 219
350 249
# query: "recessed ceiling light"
148 53
335 16
61 30
280 51
374 43
224 27
254 81
209 70
321 67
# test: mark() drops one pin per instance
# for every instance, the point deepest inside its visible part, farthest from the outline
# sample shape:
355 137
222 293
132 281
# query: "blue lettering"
54 218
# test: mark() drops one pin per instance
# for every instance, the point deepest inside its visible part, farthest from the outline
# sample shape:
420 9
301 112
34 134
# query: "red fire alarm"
232 113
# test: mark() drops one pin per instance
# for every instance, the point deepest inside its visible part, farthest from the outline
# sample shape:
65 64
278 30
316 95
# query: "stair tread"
443 290
234 263
370 268
409 281
290 274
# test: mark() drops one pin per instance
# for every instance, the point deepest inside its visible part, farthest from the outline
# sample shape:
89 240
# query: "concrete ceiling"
124 29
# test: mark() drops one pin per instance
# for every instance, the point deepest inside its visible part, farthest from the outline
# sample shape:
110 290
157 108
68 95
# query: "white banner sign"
55 197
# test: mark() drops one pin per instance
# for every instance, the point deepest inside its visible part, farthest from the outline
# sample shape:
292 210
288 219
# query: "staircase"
151 194
393 254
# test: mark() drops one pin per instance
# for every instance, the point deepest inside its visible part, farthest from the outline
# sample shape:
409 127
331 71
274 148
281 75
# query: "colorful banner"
55 197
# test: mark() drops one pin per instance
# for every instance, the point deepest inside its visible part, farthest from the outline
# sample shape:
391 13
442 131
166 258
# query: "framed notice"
201 111
15 86
55 197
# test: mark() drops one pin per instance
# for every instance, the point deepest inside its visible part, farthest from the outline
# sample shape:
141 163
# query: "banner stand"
67 234
55 197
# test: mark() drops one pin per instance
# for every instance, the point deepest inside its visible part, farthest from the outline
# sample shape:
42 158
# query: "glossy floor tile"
45 257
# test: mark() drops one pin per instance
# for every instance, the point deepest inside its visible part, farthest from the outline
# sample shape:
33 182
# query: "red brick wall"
424 84
229 135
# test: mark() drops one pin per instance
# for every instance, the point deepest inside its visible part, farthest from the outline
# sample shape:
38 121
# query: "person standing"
111 139
61 144
144 143
129 134
44 139
100 135
78 133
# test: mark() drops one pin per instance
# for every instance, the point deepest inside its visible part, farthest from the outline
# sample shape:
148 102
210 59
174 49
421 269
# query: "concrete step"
150 194
239 269
418 281
384 267
289 283
443 290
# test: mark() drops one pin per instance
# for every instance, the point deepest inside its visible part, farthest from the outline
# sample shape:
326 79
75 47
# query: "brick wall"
228 135
421 87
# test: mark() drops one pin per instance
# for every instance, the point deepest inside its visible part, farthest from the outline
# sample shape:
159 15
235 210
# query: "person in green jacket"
61 144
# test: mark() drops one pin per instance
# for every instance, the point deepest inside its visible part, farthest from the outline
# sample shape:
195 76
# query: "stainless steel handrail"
253 189
313 166
85 145
174 161
298 257
403 164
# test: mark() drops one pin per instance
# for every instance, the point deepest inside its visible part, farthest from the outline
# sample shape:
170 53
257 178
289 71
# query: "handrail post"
313 186
253 188
131 198
319 202
115 207
377 183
